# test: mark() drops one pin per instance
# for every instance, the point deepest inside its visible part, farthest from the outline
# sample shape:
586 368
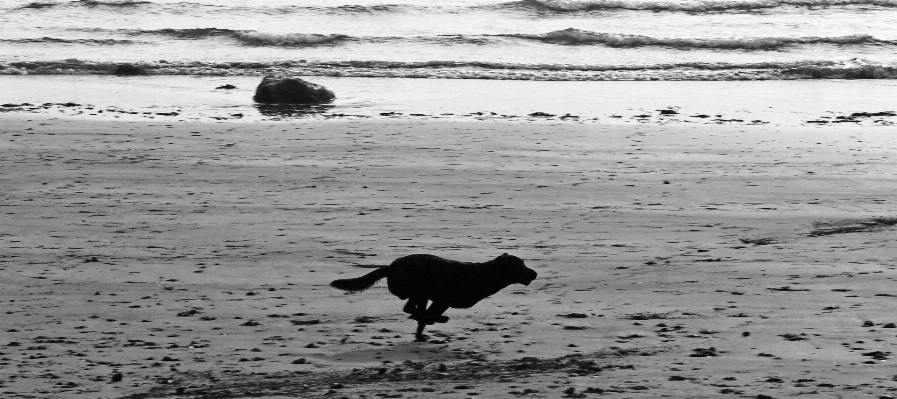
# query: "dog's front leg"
419 336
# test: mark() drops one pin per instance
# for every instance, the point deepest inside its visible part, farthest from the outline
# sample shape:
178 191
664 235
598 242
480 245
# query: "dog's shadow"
414 351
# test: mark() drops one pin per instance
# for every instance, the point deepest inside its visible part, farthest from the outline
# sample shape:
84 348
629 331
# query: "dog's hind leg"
417 309
415 306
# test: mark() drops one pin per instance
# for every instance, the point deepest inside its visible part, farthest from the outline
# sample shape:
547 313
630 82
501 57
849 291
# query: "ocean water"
559 40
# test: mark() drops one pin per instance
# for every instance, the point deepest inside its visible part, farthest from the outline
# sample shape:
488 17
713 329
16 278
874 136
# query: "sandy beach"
154 259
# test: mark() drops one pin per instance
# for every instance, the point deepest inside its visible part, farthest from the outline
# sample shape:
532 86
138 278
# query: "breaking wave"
563 6
851 69
287 39
580 37
247 37
104 42
114 3
695 6
568 36
191 33
39 5
111 4
241 10
346 9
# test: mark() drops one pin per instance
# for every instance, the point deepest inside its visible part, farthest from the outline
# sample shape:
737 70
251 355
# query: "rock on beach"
286 90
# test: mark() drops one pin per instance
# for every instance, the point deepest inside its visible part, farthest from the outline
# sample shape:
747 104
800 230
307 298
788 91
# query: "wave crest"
570 36
287 39
114 3
852 69
38 5
247 37
573 36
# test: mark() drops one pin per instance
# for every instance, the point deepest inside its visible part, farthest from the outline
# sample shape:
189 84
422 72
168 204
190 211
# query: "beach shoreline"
199 99
675 260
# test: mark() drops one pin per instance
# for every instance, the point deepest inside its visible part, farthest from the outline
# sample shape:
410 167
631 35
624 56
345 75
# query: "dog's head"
516 271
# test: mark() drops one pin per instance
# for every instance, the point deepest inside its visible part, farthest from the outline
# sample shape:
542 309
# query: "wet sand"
674 260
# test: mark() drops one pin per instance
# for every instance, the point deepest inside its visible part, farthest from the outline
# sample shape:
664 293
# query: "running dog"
448 283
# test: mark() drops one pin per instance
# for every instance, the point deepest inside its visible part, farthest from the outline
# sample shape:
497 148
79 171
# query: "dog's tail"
358 284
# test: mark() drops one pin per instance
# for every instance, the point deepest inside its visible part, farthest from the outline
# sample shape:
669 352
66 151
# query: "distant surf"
465 39
854 69
694 6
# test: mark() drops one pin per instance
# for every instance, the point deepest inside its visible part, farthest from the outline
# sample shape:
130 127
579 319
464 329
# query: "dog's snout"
529 276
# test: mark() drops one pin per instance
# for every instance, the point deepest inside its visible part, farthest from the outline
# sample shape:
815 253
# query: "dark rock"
274 90
540 114
226 87
704 352
878 355
189 313
117 377
794 337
